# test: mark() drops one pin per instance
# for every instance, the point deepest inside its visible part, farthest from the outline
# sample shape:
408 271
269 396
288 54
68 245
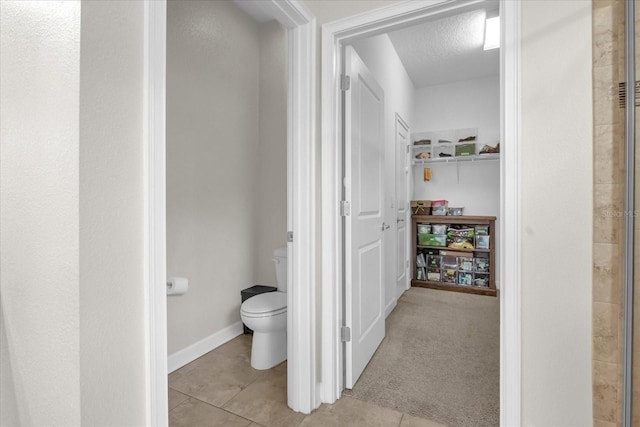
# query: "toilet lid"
265 303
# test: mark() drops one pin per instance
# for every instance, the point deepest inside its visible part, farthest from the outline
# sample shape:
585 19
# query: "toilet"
266 314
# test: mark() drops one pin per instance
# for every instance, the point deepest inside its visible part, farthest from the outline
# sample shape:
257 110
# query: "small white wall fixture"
334 36
301 195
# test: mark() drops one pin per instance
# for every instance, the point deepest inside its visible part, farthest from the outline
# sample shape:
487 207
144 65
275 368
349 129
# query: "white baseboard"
180 358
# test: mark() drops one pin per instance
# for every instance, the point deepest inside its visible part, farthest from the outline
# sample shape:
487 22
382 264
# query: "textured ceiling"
446 50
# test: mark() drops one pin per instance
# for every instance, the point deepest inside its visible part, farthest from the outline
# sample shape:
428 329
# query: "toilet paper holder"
177 286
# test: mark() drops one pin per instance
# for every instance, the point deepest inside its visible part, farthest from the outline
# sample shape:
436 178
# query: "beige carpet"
440 359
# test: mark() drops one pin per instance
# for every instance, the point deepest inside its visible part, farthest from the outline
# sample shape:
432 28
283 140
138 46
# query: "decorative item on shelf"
423 155
468 138
488 149
422 142
445 150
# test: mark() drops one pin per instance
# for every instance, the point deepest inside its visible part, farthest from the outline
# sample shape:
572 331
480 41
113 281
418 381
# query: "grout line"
222 409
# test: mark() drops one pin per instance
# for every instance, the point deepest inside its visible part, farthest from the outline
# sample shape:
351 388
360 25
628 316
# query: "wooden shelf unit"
489 221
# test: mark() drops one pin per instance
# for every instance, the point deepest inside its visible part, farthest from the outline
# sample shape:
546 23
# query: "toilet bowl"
266 314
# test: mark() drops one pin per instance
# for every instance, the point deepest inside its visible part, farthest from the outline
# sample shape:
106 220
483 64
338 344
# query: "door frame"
334 36
301 205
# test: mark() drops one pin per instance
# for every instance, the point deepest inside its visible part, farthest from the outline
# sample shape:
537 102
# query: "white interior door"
364 226
402 204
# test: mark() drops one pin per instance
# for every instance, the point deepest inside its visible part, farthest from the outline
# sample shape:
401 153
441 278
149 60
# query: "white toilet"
266 314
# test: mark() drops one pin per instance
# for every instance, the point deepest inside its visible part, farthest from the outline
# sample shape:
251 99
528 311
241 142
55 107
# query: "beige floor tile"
194 413
214 378
239 347
265 400
176 398
410 421
352 412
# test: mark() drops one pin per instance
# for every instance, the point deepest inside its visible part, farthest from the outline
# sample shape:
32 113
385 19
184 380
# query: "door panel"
364 231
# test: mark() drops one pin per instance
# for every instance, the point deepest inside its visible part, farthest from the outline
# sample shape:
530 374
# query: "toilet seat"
265 305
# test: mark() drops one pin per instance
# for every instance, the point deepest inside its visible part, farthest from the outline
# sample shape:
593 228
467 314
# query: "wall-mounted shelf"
458 145
475 158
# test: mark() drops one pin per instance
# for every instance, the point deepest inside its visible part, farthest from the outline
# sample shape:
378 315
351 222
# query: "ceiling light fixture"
492 33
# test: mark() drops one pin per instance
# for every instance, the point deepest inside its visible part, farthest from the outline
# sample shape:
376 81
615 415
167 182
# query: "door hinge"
289 236
345 334
345 83
345 208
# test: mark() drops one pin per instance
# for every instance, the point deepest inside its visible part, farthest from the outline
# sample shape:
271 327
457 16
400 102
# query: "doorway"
301 86
335 37
439 77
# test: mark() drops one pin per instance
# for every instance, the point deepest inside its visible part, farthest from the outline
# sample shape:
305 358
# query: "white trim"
156 397
187 355
334 35
510 212
301 194
302 385
331 370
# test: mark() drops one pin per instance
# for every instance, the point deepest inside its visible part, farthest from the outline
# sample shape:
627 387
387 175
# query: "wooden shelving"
452 272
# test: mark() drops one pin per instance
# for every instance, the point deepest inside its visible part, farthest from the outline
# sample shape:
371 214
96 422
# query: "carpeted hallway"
440 359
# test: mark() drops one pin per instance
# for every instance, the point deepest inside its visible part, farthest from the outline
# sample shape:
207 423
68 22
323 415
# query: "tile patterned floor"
222 389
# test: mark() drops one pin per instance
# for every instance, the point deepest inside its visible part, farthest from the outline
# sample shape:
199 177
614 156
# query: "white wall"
556 170
464 104
472 185
381 59
112 319
226 162
39 284
270 189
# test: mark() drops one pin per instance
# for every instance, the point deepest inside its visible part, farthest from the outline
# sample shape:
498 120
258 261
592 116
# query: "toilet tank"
280 259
